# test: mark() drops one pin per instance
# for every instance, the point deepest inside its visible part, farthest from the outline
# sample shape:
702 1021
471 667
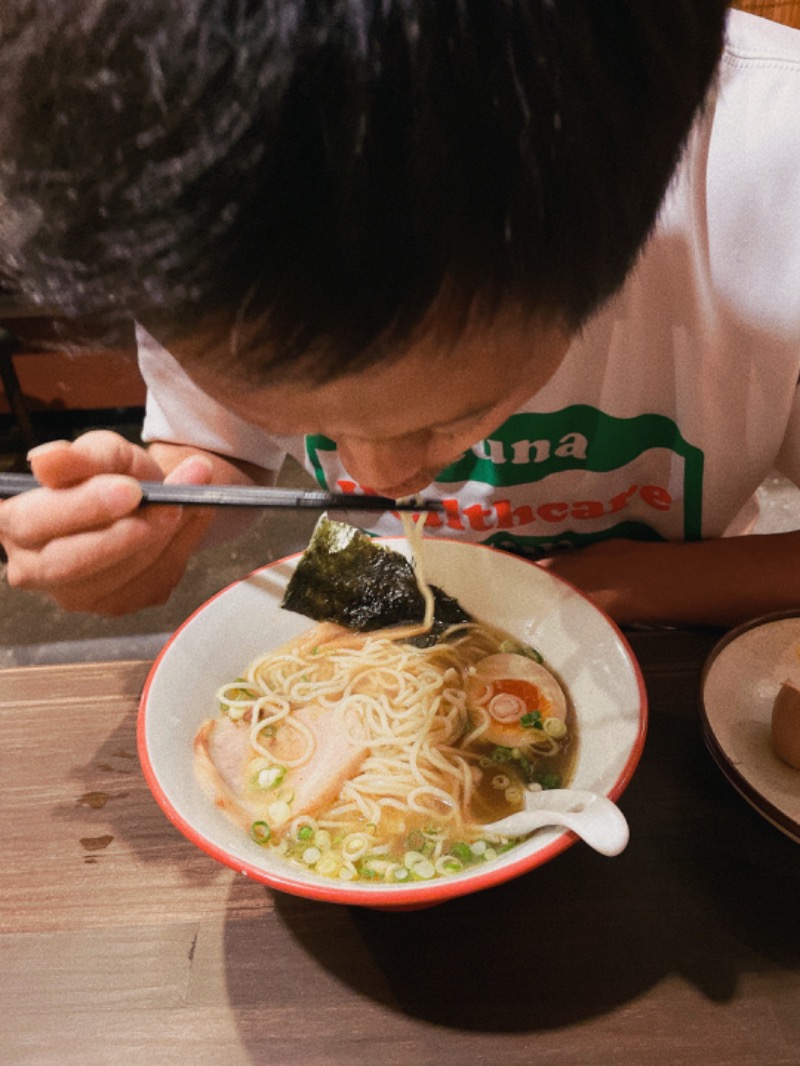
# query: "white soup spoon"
594 818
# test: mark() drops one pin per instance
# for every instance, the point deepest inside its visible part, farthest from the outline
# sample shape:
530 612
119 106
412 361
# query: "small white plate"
741 679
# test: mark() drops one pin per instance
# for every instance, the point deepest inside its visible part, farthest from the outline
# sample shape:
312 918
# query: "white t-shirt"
679 396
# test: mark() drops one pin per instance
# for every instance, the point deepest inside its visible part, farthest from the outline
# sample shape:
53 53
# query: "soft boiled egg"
515 692
786 724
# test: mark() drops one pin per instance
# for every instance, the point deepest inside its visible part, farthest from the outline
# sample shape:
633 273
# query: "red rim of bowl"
396 897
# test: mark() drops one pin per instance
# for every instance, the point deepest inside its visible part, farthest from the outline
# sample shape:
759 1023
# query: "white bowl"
579 642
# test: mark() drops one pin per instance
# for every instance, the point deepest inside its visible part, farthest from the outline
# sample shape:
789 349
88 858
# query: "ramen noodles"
360 756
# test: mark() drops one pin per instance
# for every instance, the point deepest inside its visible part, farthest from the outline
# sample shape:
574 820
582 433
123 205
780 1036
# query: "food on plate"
361 756
786 724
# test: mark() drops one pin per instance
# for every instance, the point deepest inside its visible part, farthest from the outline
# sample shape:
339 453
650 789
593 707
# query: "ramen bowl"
578 642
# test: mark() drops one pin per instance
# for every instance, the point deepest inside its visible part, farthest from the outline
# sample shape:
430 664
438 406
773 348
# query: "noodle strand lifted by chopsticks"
413 529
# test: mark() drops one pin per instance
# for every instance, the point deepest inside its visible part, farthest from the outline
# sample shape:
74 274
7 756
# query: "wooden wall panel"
787 11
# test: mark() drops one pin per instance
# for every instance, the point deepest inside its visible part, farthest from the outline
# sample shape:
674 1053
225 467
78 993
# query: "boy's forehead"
431 383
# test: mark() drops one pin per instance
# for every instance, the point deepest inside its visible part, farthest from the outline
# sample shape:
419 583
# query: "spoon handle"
599 823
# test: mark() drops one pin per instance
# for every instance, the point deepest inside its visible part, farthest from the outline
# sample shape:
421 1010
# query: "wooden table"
123 944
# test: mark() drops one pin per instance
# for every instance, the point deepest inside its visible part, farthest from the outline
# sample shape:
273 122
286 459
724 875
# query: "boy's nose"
397 467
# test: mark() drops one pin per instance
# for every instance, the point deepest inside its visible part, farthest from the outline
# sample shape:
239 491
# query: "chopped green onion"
260 832
368 874
531 720
328 866
378 866
305 832
355 845
270 776
526 768
461 851
555 728
502 754
240 693
411 858
424 870
509 844
322 839
278 811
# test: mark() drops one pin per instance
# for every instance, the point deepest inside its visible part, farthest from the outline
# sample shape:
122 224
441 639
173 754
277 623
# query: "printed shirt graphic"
547 481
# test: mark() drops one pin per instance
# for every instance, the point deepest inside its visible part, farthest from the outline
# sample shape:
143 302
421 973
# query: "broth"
358 756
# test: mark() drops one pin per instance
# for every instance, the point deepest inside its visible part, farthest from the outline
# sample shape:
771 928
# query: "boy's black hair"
324 170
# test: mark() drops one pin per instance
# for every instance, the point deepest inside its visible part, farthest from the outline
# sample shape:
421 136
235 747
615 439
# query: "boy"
401 243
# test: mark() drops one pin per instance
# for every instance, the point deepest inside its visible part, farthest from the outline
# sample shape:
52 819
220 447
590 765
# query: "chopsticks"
244 496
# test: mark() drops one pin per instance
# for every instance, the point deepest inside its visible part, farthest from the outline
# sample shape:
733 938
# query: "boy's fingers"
62 463
34 518
83 537
140 564
193 470
102 557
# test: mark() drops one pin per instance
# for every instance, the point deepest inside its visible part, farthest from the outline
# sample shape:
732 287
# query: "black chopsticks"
245 496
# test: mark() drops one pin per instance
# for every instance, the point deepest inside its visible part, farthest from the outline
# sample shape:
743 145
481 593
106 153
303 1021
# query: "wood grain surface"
122 944
787 11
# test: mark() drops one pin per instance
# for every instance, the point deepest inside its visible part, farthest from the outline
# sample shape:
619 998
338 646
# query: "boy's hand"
83 538
719 582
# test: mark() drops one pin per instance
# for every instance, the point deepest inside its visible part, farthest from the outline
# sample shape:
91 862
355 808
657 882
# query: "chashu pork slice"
223 757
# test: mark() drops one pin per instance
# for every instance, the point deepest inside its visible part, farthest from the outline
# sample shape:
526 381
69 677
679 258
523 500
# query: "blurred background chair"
23 426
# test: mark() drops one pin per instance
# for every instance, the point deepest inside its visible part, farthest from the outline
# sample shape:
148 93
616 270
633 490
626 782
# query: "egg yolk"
523 690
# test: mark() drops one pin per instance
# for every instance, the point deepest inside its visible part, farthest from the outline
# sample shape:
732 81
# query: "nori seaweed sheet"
344 576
